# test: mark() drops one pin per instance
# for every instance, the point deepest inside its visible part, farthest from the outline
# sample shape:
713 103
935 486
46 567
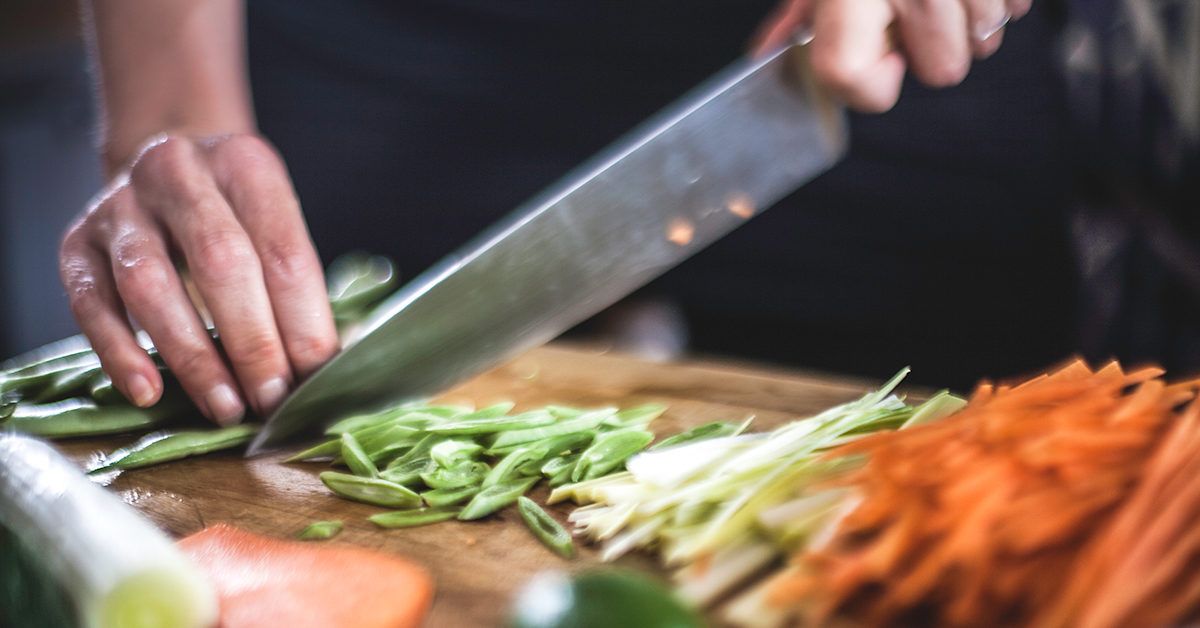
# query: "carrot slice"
264 582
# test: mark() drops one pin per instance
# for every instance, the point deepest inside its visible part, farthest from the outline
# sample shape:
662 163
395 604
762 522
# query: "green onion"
116 567
320 530
545 528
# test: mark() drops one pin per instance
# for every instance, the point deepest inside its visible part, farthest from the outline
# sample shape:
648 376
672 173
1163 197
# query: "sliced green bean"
357 459
167 446
320 530
327 449
357 281
81 417
639 416
465 426
420 450
465 473
545 528
383 444
375 491
495 497
439 497
716 429
449 453
408 473
564 412
610 451
511 464
562 475
558 463
412 518
581 423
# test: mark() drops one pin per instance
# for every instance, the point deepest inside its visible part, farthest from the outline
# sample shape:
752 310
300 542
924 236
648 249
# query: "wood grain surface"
477 565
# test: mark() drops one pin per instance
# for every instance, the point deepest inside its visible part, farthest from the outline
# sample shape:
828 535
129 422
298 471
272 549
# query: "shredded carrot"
1065 500
263 582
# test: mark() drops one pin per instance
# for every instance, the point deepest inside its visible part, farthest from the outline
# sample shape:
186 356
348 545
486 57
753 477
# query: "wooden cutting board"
478 565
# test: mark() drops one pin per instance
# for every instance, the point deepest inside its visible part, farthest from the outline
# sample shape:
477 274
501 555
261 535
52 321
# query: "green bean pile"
437 462
60 391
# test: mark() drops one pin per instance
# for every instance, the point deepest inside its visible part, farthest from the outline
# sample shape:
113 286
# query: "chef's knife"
727 150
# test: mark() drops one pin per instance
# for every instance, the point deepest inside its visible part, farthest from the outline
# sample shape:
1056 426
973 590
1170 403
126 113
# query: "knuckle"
84 300
834 69
252 350
191 360
141 277
309 351
242 153
288 260
222 255
169 163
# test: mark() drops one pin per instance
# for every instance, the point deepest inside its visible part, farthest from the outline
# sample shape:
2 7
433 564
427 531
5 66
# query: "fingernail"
140 390
224 405
270 393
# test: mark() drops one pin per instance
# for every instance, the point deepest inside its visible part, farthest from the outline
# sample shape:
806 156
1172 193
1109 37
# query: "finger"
778 29
852 53
97 308
254 179
153 294
986 20
935 40
1019 8
173 182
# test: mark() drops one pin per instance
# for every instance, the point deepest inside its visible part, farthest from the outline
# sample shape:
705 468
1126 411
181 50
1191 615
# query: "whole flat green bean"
715 429
409 472
63 350
450 496
412 518
495 497
545 528
373 491
81 417
102 391
610 451
357 459
320 530
478 426
510 465
66 384
581 423
466 473
357 281
167 446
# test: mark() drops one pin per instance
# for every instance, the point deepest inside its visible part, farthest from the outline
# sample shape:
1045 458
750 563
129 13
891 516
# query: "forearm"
167 66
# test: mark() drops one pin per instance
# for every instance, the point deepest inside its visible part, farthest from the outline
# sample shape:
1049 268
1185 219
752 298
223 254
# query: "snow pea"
373 491
167 446
545 528
320 530
610 451
357 459
495 497
412 518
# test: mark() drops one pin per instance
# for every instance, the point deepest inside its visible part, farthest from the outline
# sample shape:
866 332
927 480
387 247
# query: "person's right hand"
225 207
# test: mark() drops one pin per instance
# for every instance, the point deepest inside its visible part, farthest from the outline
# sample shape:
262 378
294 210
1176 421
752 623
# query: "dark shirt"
939 242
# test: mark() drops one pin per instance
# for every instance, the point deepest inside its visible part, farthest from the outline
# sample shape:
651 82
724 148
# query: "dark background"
939 243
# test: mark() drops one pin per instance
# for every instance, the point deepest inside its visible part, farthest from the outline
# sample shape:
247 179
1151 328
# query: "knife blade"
695 171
